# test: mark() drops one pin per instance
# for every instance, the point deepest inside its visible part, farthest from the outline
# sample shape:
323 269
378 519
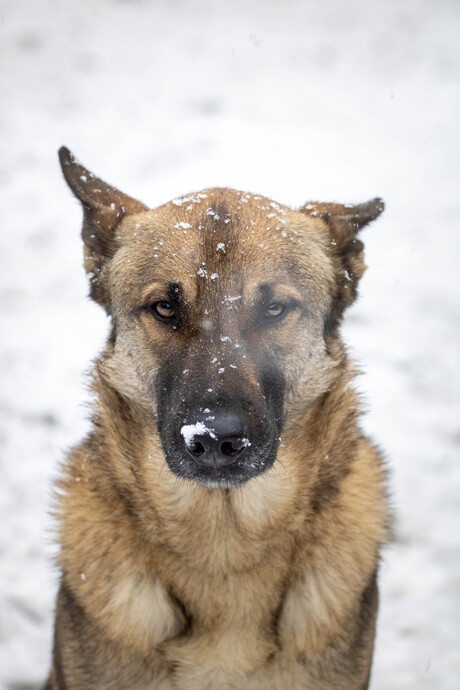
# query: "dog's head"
225 309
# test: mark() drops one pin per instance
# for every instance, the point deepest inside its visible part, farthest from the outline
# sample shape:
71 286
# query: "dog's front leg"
112 650
329 631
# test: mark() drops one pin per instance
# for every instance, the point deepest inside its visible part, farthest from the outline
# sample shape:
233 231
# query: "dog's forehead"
218 237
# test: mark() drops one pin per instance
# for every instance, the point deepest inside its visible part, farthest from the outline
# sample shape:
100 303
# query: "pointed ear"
103 209
344 221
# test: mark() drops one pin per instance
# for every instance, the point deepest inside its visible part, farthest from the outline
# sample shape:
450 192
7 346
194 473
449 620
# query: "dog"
220 527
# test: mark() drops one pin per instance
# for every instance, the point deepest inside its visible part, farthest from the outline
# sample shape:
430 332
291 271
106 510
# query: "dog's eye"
275 310
163 310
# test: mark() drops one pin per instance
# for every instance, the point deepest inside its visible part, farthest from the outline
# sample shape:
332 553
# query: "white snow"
193 198
189 431
338 101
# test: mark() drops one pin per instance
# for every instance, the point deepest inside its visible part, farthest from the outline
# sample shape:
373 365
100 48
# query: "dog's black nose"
218 441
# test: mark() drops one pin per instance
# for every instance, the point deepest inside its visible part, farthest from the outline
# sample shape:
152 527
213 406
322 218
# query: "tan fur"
170 584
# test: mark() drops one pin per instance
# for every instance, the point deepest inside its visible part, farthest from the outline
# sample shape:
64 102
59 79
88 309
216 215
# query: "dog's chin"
228 477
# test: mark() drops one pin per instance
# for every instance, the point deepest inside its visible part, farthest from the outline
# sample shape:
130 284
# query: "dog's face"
225 309
219 302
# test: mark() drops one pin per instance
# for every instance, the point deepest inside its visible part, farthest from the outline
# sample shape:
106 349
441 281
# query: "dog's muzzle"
215 436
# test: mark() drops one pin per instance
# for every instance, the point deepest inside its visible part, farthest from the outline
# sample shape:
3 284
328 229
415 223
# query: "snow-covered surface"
298 100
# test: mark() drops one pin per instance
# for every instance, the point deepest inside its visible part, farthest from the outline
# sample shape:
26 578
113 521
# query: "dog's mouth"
216 474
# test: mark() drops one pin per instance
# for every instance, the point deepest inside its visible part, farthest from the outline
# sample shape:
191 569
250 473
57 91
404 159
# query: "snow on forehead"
195 198
234 214
274 213
219 195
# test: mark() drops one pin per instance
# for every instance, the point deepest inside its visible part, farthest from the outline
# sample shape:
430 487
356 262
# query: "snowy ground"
338 100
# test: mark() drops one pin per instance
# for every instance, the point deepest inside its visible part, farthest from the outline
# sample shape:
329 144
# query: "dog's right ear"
344 221
103 209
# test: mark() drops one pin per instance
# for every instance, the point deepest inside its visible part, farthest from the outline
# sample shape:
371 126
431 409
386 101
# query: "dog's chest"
231 603
231 619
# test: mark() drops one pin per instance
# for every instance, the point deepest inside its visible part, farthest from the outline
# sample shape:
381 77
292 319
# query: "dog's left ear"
103 209
344 221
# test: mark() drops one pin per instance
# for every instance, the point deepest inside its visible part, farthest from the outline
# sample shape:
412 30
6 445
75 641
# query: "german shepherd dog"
220 527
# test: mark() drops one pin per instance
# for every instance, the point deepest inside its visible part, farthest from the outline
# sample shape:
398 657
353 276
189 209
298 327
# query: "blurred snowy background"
296 99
